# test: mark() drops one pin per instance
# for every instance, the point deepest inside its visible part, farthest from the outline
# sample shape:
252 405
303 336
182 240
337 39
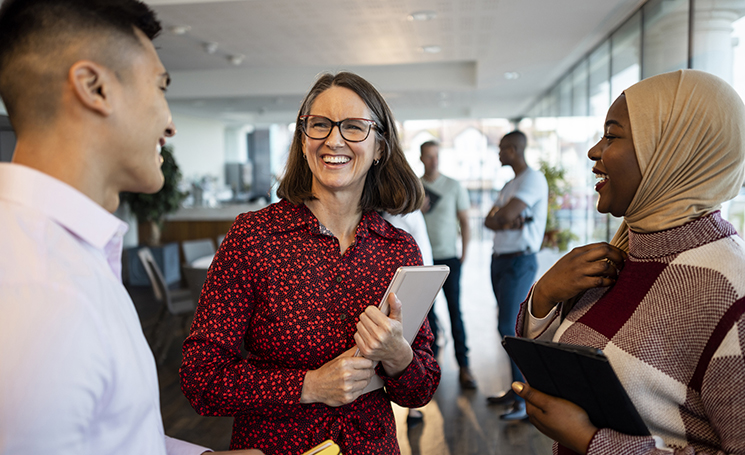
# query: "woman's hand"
560 420
586 267
381 337
339 381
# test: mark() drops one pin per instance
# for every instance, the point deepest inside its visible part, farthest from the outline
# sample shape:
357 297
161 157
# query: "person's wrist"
542 304
394 368
306 395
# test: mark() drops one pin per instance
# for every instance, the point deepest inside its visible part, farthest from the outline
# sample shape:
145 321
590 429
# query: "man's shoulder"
536 174
443 183
531 178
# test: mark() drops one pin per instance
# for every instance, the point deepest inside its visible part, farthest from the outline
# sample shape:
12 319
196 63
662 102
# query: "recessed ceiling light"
431 49
210 47
421 16
236 59
511 75
180 29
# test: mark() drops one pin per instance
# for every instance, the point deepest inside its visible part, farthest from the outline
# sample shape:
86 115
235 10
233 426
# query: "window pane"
665 36
599 62
565 96
625 63
738 56
579 89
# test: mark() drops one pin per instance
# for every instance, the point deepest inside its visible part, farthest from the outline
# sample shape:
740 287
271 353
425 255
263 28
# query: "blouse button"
343 316
338 279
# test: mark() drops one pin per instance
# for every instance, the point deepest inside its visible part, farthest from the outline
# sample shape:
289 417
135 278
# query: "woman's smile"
602 179
335 159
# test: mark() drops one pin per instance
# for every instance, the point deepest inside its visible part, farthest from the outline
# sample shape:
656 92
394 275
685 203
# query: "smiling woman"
298 283
615 162
664 300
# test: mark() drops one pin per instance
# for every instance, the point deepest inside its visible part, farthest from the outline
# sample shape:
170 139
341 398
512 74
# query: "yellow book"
327 447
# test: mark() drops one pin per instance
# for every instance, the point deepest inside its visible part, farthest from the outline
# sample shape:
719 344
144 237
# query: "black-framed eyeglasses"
351 129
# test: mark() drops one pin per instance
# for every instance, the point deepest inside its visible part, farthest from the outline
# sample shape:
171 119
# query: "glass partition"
626 56
580 89
599 65
665 36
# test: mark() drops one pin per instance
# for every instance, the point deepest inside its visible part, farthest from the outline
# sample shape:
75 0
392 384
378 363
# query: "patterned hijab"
688 131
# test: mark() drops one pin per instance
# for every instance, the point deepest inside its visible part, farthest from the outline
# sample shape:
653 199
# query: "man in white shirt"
84 89
518 220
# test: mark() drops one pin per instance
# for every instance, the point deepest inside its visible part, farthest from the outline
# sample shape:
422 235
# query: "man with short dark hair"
446 213
518 220
84 89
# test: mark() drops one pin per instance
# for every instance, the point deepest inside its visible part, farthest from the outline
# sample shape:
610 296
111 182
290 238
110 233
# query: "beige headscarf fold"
688 133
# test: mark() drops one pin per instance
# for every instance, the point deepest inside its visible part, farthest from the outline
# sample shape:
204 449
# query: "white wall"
236 144
199 147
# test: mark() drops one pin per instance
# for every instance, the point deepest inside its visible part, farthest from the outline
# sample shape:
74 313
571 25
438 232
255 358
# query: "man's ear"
92 86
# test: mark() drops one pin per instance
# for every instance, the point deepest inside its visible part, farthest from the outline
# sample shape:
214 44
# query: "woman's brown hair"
390 185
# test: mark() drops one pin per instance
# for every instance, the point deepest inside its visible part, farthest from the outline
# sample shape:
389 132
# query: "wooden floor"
456 422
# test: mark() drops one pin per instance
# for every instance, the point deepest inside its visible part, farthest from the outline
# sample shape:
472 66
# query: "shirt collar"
62 203
371 222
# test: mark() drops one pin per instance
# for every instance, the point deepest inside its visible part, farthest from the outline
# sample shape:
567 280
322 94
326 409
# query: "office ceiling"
285 44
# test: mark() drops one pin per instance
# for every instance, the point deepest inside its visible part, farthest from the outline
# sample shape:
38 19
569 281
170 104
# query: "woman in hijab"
664 300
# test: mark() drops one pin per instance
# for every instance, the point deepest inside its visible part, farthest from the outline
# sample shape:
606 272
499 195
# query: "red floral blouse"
279 286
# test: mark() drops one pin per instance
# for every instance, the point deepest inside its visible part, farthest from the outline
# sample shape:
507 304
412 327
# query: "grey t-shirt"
442 218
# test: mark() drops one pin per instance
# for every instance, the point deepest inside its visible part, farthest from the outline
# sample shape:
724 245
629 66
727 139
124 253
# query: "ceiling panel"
286 43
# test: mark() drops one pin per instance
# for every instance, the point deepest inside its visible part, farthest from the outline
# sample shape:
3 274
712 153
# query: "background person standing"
518 220
445 210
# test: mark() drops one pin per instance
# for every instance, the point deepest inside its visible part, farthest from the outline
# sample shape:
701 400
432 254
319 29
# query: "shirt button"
338 279
343 316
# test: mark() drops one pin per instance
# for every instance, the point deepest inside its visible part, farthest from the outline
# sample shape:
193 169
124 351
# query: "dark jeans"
511 279
451 289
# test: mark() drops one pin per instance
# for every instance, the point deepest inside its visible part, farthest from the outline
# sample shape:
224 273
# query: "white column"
712 35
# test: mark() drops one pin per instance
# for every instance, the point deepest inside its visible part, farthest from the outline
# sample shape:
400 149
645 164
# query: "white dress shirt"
414 224
76 373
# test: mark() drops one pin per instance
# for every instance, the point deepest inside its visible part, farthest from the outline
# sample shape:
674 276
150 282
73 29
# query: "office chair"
176 304
195 278
195 249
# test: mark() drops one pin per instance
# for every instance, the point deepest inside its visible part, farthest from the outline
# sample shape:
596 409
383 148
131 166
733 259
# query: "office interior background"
462 72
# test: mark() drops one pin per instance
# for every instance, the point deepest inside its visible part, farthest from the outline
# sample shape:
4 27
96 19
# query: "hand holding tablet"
416 288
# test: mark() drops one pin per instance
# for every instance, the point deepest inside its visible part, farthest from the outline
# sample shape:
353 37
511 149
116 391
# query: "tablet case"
580 374
417 292
433 197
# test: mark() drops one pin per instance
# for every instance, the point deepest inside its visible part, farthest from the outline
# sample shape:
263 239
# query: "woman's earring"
376 162
305 157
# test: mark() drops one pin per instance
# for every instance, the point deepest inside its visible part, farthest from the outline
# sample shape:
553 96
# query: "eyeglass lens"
353 130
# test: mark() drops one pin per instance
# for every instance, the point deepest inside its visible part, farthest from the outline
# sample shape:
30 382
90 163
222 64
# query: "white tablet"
416 287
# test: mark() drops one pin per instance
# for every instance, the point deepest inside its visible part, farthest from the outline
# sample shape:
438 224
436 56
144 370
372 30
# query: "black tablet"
580 374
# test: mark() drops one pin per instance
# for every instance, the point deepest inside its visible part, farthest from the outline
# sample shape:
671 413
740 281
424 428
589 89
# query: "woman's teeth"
335 159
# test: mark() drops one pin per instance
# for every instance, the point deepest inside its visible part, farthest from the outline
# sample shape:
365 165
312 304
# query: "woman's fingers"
559 419
378 335
339 381
585 267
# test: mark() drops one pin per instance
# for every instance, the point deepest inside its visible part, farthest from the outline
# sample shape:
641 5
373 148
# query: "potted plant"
150 209
555 237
